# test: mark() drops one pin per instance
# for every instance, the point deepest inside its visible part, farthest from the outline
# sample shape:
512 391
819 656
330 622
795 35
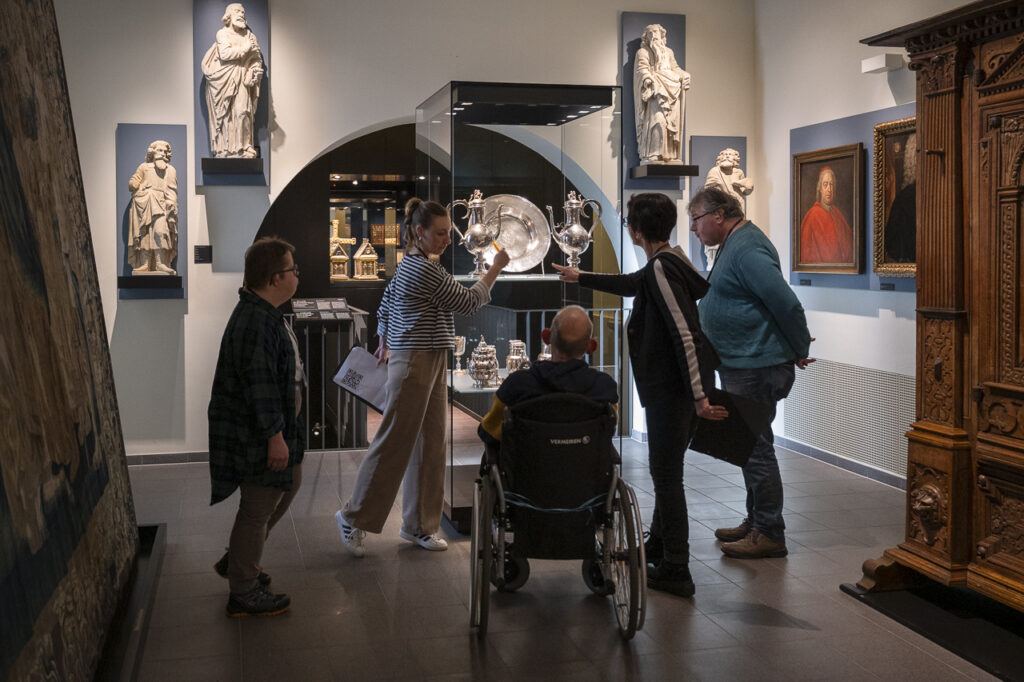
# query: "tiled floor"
401 612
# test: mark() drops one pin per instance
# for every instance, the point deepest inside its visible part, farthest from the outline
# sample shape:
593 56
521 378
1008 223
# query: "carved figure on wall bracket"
153 215
728 177
659 96
233 67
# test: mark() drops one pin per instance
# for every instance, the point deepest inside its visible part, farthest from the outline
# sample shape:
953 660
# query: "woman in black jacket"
673 367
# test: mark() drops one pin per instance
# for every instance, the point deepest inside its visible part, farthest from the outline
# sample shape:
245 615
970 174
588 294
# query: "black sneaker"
221 568
654 548
257 602
672 578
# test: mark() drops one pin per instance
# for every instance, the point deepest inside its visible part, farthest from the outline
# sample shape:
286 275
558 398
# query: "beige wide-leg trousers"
409 448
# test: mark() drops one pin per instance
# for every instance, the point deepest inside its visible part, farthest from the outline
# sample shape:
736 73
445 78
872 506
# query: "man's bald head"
570 333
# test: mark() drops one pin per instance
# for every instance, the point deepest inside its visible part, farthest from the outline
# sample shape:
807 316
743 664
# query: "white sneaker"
433 542
351 537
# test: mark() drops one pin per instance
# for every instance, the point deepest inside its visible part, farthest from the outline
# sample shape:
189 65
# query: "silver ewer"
572 238
479 234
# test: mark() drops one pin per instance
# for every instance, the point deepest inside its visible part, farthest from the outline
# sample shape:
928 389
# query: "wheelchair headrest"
558 408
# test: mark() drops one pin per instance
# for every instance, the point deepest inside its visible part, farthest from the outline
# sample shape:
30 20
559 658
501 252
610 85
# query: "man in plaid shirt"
255 443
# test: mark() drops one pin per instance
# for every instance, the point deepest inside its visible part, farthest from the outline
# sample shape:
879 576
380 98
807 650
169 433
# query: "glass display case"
365 215
537 170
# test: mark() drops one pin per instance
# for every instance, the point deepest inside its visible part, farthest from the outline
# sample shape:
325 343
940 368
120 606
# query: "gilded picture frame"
895 178
828 186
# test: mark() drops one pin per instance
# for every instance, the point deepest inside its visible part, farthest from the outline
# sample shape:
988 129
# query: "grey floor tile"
196 640
213 668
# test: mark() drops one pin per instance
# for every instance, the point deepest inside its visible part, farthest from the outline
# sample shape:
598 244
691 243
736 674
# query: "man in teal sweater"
756 324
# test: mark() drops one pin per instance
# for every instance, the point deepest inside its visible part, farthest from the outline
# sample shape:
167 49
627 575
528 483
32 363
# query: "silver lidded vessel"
517 358
479 234
483 365
572 238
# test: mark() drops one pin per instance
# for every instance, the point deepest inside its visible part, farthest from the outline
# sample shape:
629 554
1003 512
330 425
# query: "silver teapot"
483 365
479 235
572 238
517 357
545 353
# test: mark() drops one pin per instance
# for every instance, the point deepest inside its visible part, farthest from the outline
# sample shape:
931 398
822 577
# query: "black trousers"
671 422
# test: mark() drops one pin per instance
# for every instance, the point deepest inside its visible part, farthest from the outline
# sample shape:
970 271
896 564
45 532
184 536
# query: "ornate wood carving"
1001 413
938 71
936 370
1003 66
1010 288
1005 513
1012 149
929 506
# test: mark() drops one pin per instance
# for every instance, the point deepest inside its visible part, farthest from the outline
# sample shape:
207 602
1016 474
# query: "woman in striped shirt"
416 329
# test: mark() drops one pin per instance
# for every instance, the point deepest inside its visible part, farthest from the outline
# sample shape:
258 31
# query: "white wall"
338 68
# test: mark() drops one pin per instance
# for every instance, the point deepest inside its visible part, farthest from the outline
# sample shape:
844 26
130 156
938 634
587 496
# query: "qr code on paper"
351 379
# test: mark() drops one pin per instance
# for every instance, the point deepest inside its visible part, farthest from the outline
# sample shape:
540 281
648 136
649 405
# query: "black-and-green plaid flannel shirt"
253 399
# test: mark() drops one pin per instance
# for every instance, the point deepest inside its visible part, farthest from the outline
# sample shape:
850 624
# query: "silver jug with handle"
572 238
517 358
479 234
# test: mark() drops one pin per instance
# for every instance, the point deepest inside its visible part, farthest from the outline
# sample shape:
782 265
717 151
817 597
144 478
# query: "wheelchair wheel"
481 554
628 574
594 578
517 570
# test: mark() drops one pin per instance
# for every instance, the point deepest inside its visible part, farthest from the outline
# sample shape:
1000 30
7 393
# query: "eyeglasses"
694 219
625 223
294 268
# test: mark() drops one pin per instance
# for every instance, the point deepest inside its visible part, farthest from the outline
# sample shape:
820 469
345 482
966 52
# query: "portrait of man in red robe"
825 235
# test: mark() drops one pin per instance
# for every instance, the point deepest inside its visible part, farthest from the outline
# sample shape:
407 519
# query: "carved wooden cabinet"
965 473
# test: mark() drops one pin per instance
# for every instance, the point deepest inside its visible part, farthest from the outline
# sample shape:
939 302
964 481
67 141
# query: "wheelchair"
553 491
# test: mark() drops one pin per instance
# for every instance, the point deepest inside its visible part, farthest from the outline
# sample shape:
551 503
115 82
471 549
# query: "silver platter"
524 231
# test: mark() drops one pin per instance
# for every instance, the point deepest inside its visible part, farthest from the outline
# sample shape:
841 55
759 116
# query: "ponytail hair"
419 213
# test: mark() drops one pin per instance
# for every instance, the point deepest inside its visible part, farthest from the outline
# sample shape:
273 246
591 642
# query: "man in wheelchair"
570 337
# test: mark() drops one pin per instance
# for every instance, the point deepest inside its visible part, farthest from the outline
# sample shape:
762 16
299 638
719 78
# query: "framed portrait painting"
828 220
896 198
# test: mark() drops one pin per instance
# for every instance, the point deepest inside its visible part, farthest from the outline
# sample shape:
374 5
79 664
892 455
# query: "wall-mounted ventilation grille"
854 412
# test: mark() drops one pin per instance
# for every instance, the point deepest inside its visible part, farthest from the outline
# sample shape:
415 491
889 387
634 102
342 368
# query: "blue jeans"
761 475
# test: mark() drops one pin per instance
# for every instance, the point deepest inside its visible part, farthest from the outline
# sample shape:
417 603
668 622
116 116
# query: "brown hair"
421 213
264 259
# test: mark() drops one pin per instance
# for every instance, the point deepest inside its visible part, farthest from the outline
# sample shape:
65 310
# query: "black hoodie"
668 350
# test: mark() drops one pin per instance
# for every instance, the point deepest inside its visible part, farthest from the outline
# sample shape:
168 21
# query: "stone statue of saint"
659 96
728 177
233 67
153 218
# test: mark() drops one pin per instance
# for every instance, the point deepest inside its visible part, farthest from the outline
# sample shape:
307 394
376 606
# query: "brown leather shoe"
734 534
755 546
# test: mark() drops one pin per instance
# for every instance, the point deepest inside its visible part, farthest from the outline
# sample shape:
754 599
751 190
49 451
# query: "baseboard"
126 636
169 458
843 463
